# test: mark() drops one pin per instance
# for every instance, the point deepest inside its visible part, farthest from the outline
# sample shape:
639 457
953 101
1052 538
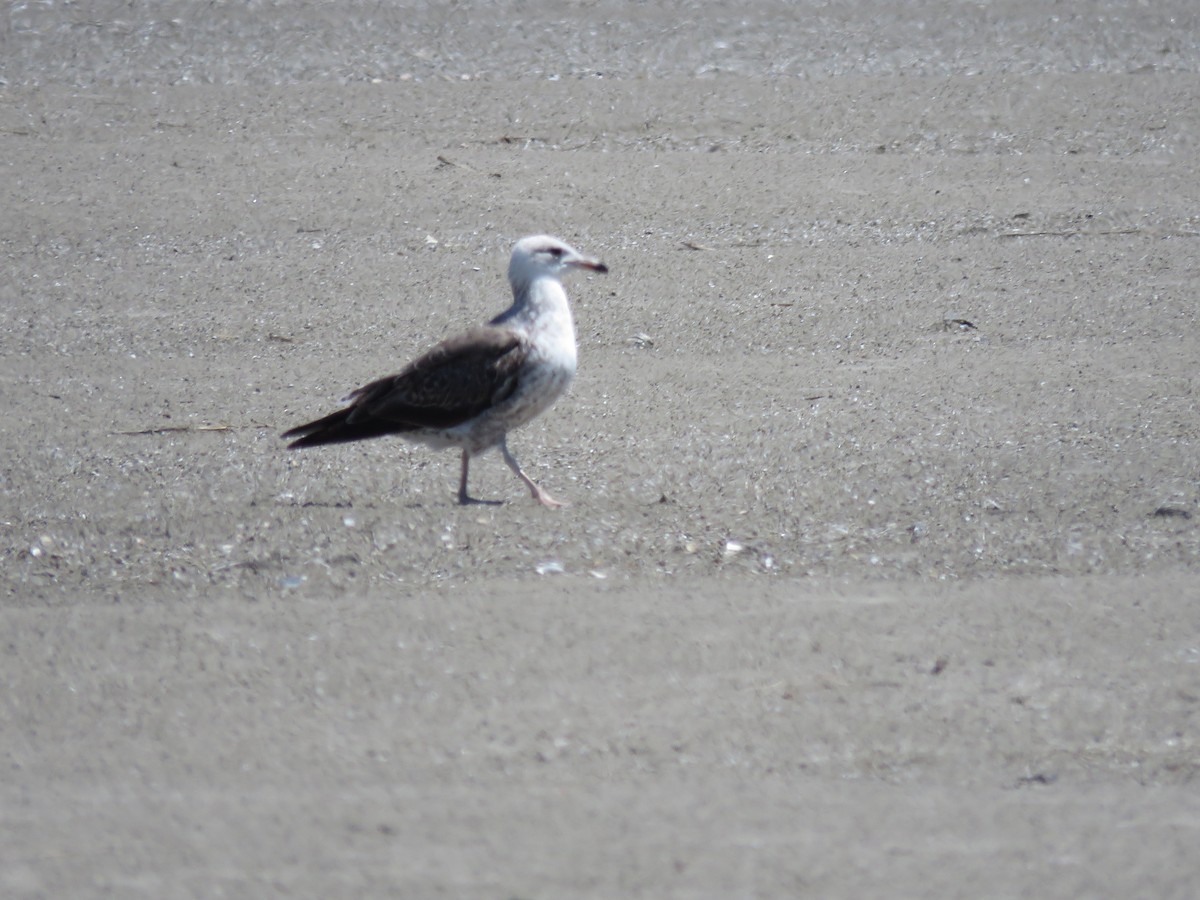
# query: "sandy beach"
879 577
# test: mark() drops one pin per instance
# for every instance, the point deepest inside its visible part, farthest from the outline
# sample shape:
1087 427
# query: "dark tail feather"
336 429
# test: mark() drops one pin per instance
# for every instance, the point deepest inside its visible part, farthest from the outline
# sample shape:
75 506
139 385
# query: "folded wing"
453 383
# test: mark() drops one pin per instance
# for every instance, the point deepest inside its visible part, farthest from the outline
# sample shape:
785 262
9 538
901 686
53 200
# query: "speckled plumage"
471 390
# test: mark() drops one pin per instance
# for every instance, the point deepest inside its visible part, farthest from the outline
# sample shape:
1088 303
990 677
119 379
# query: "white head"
540 255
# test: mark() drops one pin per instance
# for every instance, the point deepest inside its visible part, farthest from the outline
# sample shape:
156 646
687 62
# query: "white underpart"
541 313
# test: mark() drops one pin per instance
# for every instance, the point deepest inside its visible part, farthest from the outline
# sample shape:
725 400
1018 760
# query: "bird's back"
445 388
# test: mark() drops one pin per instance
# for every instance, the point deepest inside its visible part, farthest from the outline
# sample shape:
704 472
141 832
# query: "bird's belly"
542 384
536 393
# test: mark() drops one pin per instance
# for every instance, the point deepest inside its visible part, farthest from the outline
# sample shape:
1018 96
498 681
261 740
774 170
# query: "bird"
471 390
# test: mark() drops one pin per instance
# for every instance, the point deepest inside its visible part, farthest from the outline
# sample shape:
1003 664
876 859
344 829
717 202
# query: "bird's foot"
546 500
464 500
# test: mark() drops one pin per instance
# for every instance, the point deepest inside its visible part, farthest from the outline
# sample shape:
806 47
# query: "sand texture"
880 573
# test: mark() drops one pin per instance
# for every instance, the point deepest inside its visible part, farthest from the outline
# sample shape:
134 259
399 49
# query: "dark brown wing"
451 384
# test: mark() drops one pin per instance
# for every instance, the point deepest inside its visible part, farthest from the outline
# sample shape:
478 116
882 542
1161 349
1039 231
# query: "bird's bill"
584 262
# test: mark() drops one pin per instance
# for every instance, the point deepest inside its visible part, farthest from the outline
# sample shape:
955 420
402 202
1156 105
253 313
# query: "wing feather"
454 382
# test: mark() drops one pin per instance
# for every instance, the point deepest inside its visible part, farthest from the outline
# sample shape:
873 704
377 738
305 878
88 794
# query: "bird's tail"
337 428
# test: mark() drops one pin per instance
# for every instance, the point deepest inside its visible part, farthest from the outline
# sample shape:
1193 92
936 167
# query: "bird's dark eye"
556 252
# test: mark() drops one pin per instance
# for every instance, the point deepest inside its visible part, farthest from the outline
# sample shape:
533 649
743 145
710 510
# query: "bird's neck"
538 303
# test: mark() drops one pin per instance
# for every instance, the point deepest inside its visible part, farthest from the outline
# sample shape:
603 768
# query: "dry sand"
852 599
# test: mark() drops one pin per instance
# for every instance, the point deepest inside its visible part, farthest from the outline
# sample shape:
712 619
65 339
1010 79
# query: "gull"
470 390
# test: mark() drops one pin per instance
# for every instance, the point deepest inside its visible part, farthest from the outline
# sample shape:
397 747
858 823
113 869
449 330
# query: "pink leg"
538 494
